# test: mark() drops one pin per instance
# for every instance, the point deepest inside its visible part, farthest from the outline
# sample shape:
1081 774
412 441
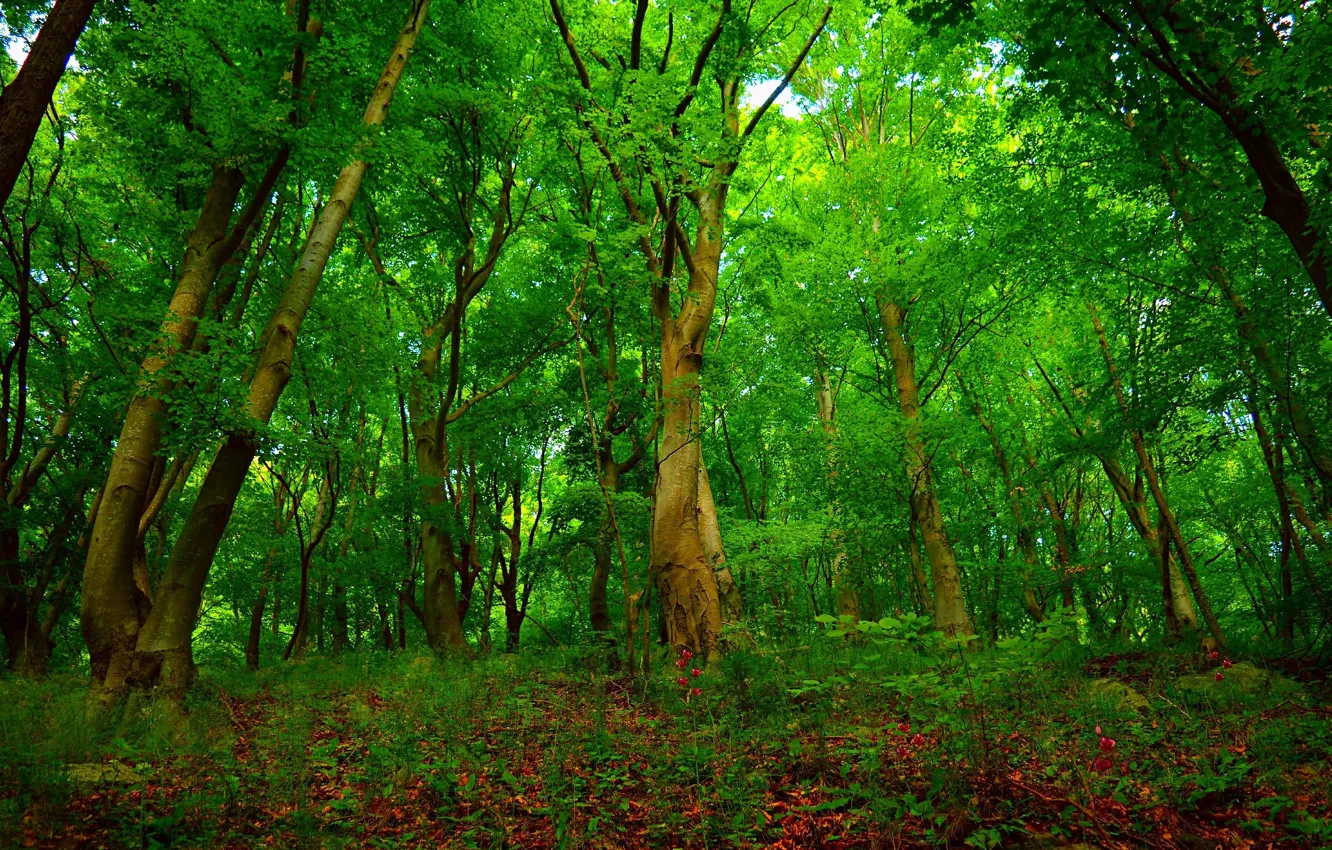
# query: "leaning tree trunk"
1289 504
25 99
26 636
950 609
112 607
1154 485
165 638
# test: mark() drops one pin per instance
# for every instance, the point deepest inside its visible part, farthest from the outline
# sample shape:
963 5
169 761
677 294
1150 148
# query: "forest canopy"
658 330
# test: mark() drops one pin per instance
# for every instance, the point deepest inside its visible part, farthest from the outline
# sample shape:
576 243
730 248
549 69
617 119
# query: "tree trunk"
732 605
848 605
1209 84
1288 503
686 585
321 606
112 614
950 611
1154 485
440 597
341 633
26 636
1289 406
1180 612
29 647
167 632
1285 202
919 581
598 608
513 622
257 613
1026 540
24 100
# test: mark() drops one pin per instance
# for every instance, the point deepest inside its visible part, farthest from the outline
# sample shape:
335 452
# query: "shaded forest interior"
665 423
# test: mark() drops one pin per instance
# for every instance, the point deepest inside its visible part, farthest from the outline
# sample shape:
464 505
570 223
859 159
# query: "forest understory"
666 423
816 747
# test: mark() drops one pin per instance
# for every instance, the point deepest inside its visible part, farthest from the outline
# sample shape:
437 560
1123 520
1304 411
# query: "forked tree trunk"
950 610
113 607
686 585
164 642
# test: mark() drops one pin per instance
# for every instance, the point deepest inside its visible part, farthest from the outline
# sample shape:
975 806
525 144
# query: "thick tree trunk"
598 608
166 635
113 608
24 100
1284 200
513 621
950 611
686 585
732 604
440 597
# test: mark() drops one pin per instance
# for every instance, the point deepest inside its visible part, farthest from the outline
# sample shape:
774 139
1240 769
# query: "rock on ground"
96 773
1124 696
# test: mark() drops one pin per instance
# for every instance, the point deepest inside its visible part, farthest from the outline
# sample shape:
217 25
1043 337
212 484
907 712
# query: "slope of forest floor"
817 746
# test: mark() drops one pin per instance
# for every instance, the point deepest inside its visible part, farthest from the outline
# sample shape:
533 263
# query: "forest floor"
808 748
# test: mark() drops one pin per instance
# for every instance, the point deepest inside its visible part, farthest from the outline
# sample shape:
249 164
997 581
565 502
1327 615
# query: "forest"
666 423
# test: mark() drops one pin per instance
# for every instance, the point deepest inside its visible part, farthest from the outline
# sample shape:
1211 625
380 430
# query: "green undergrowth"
874 736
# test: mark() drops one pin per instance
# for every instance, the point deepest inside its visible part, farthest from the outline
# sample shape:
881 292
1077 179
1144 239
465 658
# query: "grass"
797 748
